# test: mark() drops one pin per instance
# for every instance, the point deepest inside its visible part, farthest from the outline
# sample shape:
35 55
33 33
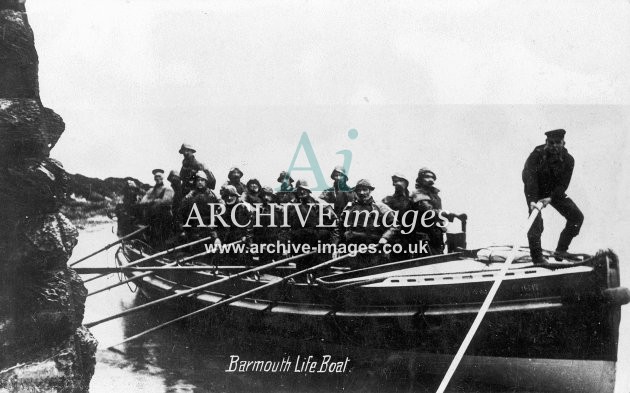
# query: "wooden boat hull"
538 313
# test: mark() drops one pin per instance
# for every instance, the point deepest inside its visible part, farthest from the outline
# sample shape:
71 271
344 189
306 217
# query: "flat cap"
364 183
156 171
186 146
559 133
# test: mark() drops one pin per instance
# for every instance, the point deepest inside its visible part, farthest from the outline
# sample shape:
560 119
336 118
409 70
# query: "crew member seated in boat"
400 201
238 225
366 221
546 176
264 233
285 195
156 205
190 167
305 225
176 184
427 202
199 199
340 194
234 179
253 192
127 212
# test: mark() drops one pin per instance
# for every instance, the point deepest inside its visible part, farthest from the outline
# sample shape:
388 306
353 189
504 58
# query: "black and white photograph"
314 196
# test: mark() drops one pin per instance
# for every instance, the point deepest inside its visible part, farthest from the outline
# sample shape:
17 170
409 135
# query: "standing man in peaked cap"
546 177
190 167
159 194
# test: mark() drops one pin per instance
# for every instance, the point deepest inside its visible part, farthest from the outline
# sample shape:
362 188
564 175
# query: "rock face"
43 347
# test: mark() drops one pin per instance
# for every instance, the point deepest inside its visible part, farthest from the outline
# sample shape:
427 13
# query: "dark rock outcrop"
43 346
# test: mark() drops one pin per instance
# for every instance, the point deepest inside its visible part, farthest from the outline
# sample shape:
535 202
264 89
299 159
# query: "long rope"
486 305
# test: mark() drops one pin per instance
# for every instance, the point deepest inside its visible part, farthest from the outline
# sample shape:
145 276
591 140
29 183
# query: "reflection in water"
189 357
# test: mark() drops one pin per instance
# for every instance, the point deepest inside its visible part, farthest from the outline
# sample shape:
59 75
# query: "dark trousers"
310 236
364 259
568 209
434 236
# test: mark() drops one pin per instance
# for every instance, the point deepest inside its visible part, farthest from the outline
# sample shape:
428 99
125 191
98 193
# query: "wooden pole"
187 259
486 304
194 290
126 281
151 270
156 255
111 244
166 268
233 299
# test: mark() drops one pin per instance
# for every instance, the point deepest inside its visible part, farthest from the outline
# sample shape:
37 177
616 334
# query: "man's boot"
563 245
539 260
535 250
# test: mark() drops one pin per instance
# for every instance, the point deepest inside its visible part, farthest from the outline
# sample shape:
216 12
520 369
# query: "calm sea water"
179 358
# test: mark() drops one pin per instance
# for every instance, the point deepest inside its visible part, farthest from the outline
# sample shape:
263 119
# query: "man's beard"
555 154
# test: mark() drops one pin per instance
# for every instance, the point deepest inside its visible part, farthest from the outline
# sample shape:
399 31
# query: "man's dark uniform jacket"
189 170
545 177
548 175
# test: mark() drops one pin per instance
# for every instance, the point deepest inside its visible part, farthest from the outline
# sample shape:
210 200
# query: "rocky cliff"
43 347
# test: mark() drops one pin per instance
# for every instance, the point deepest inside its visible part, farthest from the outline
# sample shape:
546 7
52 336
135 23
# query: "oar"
111 244
187 259
194 289
486 304
156 255
166 268
234 298
128 280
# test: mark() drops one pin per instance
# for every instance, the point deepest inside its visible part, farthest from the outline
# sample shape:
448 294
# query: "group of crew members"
167 208
546 177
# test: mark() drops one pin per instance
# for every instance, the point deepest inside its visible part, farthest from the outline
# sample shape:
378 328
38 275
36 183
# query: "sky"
465 88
